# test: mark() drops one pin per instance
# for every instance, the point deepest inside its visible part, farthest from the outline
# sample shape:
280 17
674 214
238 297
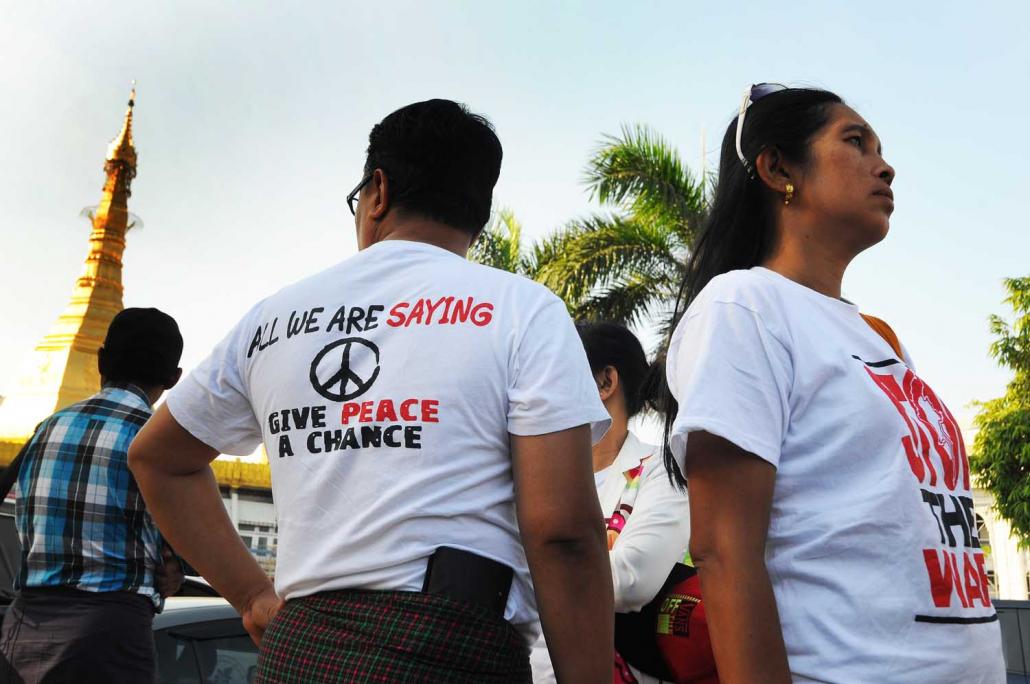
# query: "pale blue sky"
252 120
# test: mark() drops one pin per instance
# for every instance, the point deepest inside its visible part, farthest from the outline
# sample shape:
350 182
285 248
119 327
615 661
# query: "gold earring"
789 195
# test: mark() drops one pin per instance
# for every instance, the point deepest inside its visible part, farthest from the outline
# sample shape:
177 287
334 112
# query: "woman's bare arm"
730 498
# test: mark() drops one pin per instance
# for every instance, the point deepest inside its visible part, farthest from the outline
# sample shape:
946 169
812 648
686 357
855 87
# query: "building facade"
1008 565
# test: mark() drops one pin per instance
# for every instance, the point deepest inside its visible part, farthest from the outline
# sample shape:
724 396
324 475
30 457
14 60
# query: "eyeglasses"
752 95
352 198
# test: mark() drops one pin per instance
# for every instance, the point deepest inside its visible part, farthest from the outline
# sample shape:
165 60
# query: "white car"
201 640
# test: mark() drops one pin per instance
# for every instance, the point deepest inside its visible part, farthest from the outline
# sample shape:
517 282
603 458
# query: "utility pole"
704 157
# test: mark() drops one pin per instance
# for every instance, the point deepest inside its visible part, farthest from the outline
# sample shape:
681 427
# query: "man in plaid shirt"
94 567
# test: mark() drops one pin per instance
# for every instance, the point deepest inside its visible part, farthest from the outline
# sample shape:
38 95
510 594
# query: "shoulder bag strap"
883 330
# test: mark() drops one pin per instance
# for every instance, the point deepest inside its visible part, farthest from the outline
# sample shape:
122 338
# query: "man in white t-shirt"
408 400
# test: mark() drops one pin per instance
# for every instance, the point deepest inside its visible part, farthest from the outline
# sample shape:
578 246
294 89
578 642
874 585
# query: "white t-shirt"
385 389
872 548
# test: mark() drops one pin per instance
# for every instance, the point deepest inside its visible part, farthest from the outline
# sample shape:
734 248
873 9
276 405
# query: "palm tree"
500 246
626 264
623 265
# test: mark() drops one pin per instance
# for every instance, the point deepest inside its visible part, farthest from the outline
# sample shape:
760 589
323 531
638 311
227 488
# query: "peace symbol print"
345 369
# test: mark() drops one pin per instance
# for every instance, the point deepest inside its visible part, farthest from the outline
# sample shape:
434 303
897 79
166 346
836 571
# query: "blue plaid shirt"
80 516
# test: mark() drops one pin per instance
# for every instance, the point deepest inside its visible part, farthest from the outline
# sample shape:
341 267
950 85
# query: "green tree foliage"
626 264
500 246
1001 450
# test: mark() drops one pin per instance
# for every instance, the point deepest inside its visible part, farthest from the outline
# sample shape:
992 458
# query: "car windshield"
212 652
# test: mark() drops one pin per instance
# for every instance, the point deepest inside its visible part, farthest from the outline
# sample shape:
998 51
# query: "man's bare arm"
564 537
172 469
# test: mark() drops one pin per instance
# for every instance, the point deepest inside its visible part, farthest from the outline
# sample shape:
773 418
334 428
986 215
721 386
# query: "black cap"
149 342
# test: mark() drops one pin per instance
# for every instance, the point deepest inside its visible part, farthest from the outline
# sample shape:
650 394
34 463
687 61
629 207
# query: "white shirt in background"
653 538
872 549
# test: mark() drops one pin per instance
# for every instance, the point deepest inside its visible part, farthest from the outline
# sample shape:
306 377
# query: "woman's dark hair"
442 161
611 344
739 232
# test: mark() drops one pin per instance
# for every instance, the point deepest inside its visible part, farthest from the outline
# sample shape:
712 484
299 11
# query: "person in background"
829 489
408 400
94 566
648 523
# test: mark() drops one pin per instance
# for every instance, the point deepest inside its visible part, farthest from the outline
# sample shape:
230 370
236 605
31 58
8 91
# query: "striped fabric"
80 516
381 637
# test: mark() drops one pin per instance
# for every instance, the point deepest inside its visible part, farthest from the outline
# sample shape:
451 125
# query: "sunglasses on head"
753 94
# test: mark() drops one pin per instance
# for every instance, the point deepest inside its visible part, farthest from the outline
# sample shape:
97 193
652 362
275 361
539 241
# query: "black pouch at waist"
466 576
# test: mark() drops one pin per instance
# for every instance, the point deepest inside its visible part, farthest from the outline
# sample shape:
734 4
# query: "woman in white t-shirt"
830 494
648 518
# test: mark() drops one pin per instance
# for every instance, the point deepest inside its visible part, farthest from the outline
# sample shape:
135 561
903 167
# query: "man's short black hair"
442 162
143 347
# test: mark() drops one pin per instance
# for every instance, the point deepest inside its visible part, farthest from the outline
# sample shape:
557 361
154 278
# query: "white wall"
1009 562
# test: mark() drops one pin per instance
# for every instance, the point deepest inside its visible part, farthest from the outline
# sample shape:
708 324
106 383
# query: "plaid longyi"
381 637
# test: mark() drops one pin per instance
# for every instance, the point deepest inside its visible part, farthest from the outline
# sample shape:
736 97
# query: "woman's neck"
815 266
607 450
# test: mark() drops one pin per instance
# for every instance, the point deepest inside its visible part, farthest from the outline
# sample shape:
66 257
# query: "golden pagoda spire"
121 148
63 367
